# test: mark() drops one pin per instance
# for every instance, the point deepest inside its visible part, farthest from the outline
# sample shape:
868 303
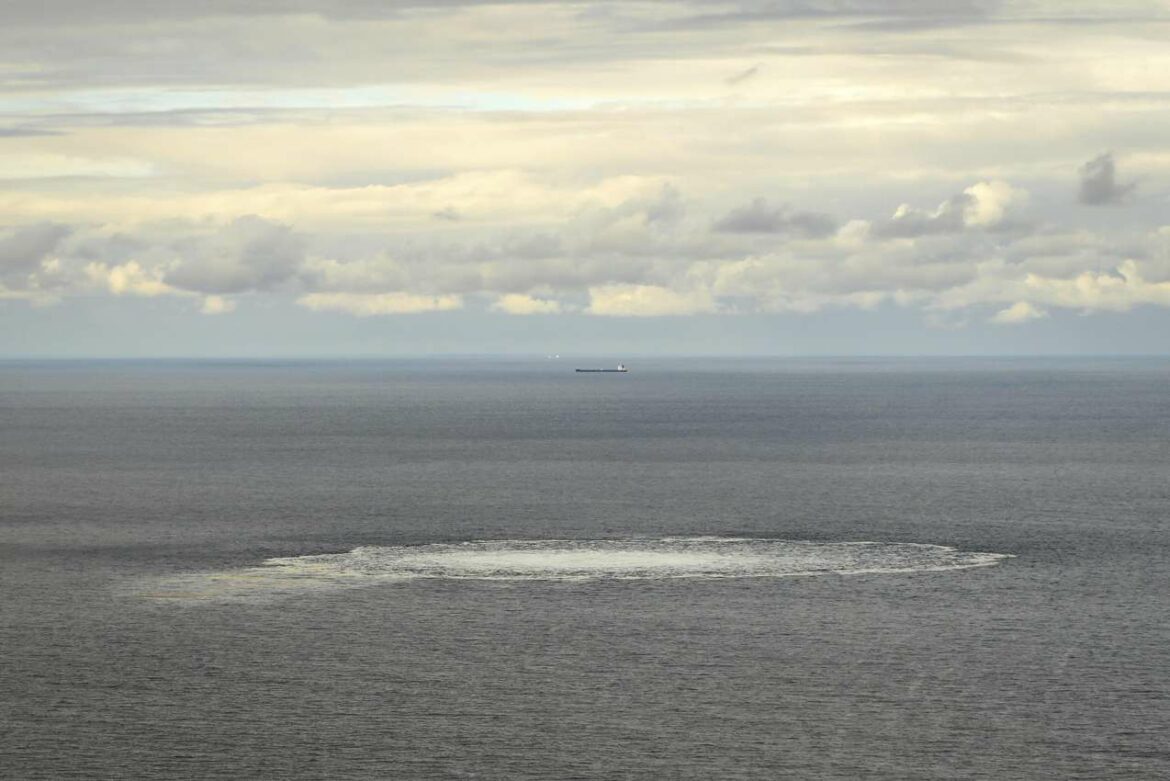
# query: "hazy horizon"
116 331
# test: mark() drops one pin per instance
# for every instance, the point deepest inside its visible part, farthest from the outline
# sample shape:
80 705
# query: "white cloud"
1019 312
50 166
647 301
983 205
1116 291
371 304
520 304
587 157
130 278
217 305
992 202
501 196
651 254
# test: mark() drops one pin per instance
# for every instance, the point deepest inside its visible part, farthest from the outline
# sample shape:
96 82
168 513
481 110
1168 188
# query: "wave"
566 560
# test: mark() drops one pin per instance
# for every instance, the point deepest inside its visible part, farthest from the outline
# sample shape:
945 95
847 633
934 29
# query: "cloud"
30 266
984 205
1019 312
130 279
519 304
250 253
143 11
759 217
743 75
991 202
496 198
221 42
666 207
893 15
651 254
1118 290
647 301
607 165
26 248
1099 185
25 132
217 305
378 273
371 304
909 222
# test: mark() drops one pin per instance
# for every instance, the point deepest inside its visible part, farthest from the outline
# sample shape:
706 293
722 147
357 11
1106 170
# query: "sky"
359 177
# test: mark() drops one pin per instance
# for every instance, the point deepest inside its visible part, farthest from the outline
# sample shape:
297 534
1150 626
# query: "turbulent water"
686 557
902 569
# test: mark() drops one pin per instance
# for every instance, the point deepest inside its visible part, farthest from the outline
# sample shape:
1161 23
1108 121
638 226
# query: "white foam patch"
565 560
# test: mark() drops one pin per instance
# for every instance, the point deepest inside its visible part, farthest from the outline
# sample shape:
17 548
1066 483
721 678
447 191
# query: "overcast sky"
343 177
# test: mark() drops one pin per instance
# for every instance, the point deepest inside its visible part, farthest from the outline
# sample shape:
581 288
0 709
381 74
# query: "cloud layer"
543 159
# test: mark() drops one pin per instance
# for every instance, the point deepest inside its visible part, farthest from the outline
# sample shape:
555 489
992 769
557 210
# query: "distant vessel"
621 367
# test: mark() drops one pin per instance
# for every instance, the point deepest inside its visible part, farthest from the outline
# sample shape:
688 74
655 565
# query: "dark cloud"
447 214
1099 185
23 251
251 253
744 75
759 217
25 132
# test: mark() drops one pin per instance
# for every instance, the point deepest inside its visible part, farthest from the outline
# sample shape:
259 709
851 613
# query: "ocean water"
501 569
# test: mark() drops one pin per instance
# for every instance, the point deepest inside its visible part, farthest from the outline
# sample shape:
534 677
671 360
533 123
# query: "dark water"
120 480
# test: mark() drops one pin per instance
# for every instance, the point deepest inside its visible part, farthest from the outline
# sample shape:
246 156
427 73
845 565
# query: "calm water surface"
234 570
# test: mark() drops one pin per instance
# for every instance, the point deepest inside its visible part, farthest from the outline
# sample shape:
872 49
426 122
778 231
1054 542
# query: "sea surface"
501 569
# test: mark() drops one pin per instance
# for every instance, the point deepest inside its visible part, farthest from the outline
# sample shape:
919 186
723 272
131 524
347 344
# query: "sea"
498 568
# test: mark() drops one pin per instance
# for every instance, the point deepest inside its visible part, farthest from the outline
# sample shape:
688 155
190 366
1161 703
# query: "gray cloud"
666 208
49 12
984 207
898 14
1099 185
250 253
908 222
25 132
957 262
547 152
216 116
116 248
759 217
744 75
322 43
332 42
25 249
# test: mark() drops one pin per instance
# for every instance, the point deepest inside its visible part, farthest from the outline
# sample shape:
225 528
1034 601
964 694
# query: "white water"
565 560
